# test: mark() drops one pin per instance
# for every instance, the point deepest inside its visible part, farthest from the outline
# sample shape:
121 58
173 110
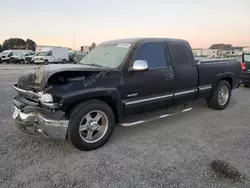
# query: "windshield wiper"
93 64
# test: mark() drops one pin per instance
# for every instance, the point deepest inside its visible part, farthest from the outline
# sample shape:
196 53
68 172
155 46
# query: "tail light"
243 66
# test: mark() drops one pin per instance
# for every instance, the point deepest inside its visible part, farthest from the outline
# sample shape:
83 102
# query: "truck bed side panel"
211 72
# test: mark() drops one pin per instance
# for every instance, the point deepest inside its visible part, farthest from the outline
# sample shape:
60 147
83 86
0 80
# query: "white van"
48 55
14 56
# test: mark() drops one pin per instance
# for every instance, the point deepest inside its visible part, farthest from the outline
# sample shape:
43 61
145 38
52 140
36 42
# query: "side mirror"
139 65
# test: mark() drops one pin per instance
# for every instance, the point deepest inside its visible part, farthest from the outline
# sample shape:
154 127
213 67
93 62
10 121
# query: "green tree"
1 49
14 43
30 44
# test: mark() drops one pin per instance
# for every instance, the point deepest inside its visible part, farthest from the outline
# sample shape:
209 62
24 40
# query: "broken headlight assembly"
47 101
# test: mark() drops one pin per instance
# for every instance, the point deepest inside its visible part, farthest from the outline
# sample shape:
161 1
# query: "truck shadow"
198 108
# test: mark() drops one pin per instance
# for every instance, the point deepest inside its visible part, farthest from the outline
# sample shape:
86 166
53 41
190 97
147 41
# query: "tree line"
18 44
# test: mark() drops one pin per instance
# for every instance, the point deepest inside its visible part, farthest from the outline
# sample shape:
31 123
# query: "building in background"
85 48
199 52
220 51
246 49
40 47
211 52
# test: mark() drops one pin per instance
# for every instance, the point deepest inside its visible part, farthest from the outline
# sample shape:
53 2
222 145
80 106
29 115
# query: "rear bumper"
245 78
39 122
246 82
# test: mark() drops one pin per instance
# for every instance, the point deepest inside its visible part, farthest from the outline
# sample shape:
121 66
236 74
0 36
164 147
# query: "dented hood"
38 77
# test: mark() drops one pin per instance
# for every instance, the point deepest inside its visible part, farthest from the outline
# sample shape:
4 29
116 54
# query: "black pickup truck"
126 82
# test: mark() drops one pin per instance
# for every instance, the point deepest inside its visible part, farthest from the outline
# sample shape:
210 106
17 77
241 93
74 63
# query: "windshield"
44 53
107 55
247 57
5 53
17 53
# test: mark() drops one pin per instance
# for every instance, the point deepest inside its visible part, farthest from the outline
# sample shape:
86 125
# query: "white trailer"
46 55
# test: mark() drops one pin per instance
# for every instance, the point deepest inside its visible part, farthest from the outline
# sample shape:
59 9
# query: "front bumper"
34 122
5 59
36 61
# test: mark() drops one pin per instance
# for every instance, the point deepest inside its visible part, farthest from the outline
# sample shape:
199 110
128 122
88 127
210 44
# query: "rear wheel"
21 61
91 125
63 61
46 62
221 97
246 85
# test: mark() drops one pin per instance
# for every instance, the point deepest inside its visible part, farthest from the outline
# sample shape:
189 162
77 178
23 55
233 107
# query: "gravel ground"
174 152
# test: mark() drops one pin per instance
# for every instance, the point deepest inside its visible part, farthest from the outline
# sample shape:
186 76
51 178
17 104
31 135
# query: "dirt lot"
174 152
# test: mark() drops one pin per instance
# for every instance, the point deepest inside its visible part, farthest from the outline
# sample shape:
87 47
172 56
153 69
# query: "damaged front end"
37 108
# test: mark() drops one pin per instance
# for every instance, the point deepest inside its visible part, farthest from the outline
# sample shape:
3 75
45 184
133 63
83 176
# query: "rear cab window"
153 53
180 53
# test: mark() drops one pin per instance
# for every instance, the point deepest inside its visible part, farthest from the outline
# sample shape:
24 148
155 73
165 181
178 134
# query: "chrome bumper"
36 124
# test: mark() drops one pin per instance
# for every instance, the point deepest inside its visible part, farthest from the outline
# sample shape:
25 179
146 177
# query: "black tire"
76 117
245 85
63 61
46 62
21 61
213 102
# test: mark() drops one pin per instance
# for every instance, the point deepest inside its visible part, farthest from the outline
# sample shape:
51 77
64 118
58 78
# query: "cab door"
151 89
185 70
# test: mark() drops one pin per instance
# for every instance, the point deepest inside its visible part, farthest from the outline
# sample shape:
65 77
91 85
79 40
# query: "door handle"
168 76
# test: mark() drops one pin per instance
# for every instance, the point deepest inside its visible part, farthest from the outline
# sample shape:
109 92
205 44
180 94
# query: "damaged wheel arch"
110 96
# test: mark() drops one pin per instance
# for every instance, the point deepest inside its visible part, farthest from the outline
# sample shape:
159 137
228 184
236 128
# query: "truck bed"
208 70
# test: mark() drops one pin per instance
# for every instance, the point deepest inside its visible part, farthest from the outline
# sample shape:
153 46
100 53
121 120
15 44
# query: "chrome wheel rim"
223 95
93 126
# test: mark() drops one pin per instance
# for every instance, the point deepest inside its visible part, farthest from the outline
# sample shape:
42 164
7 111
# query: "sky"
54 22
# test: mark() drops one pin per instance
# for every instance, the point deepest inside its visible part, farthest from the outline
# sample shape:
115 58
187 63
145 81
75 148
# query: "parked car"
14 56
5 56
119 82
49 55
19 56
245 67
76 56
29 58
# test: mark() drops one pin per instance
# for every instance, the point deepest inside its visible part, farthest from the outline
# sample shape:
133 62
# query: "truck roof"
135 40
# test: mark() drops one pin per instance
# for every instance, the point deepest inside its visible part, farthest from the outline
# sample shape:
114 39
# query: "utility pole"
74 40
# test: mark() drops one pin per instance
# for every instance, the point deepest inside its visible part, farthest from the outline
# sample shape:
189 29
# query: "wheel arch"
229 77
110 98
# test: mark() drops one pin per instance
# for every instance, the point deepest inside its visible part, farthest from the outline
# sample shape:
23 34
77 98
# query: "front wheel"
221 97
22 61
245 85
46 62
91 125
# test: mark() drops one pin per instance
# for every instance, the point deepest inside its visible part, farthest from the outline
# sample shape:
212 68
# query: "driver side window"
154 54
49 54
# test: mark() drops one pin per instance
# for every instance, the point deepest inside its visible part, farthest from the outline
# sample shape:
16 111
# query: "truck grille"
28 58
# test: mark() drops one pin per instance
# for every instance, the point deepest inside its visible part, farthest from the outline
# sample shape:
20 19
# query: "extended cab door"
185 70
150 89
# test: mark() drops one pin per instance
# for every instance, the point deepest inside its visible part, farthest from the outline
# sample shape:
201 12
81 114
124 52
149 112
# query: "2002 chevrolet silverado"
126 82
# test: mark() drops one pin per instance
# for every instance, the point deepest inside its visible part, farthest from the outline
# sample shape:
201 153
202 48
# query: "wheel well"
229 80
105 99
